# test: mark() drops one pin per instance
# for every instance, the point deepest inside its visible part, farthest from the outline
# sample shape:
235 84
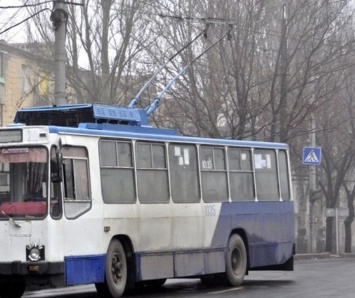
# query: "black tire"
236 261
115 272
12 289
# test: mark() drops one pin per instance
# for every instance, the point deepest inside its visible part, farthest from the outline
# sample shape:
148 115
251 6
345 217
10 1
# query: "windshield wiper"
16 224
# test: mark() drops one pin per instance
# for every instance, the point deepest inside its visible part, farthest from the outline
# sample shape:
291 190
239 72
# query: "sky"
9 17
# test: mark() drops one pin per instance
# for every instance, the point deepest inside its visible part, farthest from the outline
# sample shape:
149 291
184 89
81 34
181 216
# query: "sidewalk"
324 255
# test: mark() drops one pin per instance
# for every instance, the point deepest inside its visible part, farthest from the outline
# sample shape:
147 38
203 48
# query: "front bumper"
34 273
30 268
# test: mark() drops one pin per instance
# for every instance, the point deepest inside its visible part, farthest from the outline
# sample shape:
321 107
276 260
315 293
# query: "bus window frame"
213 169
74 204
152 168
276 172
182 156
117 166
287 165
241 170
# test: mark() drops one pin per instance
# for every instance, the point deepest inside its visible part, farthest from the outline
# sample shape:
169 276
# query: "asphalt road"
326 277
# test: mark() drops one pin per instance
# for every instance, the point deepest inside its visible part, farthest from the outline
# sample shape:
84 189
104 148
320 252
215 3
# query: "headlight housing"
35 252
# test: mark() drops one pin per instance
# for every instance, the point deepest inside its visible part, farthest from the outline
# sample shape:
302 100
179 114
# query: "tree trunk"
347 225
329 234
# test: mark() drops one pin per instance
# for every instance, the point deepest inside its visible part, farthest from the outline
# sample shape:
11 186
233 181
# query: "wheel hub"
116 268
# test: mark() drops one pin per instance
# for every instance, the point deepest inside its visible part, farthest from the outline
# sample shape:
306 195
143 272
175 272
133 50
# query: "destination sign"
10 136
14 150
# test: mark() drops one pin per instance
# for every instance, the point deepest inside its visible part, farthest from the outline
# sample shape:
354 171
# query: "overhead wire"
13 16
153 106
192 19
26 5
136 98
24 20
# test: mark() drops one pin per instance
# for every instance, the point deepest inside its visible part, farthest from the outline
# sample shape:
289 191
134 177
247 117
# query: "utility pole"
59 18
283 78
312 192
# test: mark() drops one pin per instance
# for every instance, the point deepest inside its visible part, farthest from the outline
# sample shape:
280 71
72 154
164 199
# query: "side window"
117 172
75 181
284 176
184 173
152 173
267 187
213 174
76 186
241 174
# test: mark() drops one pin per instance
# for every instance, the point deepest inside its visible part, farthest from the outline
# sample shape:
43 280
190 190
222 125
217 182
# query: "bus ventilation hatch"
73 115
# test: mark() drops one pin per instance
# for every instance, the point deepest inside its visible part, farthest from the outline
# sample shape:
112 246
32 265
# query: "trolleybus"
91 194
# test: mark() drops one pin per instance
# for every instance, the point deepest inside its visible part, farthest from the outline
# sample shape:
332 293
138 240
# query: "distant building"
26 79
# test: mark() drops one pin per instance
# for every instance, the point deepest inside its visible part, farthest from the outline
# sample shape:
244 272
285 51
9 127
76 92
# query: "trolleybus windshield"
23 182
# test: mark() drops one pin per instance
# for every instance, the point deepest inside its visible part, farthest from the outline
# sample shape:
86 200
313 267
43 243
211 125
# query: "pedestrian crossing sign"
312 156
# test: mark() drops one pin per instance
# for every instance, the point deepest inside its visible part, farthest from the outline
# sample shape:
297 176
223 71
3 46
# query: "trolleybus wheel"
236 261
12 289
115 272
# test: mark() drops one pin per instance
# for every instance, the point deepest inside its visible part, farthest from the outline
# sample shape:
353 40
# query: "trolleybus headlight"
35 252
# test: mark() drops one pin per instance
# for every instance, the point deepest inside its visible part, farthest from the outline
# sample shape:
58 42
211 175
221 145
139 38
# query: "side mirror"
57 165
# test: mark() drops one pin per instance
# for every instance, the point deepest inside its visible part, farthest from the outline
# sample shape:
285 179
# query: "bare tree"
279 63
261 81
104 42
338 159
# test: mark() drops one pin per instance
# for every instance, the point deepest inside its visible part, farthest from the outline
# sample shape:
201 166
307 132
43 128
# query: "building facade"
25 80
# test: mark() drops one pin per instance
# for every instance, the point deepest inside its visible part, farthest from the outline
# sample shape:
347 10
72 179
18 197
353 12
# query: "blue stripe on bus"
84 269
269 230
268 226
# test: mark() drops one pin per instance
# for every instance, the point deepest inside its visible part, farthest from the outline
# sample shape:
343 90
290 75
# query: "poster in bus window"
262 162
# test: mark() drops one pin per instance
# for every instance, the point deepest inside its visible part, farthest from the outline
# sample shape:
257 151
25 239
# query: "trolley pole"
59 19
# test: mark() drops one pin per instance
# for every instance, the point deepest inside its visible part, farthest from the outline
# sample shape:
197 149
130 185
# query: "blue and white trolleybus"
91 194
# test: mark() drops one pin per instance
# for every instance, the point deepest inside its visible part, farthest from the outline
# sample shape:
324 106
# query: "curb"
316 256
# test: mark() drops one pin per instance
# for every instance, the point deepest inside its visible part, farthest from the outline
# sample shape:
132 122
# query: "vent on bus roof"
73 115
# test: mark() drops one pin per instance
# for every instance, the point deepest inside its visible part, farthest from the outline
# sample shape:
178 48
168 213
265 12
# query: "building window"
43 84
25 79
1 64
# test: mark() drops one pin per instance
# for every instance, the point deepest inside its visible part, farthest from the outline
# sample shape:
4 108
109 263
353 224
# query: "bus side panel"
215 261
179 263
189 263
269 228
154 265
